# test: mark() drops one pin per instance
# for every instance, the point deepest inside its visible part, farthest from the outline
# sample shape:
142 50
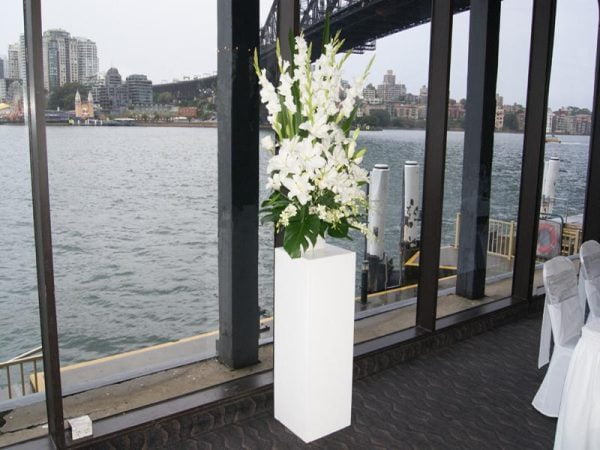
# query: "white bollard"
549 184
412 208
378 189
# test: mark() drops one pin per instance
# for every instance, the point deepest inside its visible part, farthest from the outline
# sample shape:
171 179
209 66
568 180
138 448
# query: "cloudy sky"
171 39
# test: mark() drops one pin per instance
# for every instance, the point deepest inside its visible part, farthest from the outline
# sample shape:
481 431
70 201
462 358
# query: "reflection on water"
134 214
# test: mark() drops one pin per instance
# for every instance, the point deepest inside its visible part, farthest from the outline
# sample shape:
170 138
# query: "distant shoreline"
215 125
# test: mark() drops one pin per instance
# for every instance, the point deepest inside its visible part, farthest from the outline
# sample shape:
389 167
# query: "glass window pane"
21 366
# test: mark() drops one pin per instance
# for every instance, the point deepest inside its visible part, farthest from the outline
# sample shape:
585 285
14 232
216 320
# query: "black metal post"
591 218
238 101
288 21
478 153
435 162
34 106
532 171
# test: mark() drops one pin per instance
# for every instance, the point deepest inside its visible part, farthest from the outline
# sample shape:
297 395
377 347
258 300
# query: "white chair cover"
589 255
579 419
563 319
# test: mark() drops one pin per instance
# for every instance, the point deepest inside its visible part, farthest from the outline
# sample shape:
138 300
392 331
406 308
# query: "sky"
168 40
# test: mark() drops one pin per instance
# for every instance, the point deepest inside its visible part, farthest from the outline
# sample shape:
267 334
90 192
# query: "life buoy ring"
548 240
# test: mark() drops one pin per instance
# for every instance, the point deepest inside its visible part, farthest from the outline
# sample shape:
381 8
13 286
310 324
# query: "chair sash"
563 315
590 276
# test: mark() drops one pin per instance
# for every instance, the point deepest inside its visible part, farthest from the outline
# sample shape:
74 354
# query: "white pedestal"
314 340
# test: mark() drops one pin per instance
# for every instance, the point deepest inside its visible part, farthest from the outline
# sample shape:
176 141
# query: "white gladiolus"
314 170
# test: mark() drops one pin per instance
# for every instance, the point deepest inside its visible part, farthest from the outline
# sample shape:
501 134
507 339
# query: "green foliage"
303 230
64 96
511 122
164 98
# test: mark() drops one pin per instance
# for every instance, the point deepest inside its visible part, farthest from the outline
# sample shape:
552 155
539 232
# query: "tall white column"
378 190
549 186
412 200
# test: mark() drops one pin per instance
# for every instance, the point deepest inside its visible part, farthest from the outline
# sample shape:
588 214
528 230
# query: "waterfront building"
87 59
60 59
499 101
582 124
404 111
12 69
370 94
139 90
389 91
2 59
21 58
456 110
423 94
84 110
499 120
100 94
563 122
115 90
549 121
3 90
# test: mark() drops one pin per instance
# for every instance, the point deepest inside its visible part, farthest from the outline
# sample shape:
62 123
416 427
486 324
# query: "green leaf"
360 153
326 31
339 230
302 229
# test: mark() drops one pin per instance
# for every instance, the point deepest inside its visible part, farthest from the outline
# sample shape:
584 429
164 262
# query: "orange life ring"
548 239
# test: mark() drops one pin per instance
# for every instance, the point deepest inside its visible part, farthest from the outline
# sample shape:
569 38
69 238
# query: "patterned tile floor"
472 395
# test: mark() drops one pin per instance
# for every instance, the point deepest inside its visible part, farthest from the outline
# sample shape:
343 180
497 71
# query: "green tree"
64 96
164 98
382 117
511 122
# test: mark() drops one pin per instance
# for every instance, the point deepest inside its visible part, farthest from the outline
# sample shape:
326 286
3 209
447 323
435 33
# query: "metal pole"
484 32
34 106
238 100
540 62
435 162
591 218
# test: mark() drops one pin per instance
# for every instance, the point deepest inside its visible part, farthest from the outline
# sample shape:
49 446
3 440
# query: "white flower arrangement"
314 171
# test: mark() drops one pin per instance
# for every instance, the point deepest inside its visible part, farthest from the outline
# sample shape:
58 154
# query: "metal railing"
15 371
502 238
571 240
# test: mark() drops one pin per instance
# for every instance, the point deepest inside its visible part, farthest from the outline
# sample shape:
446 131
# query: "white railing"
19 376
502 238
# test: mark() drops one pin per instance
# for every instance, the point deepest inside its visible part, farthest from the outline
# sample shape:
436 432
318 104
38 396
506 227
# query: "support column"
435 162
591 218
484 31
237 101
34 107
288 21
532 171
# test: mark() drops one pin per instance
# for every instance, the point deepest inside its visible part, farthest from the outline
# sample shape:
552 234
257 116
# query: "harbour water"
134 216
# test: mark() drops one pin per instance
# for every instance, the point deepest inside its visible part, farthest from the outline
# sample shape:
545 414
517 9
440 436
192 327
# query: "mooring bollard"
551 169
411 220
378 190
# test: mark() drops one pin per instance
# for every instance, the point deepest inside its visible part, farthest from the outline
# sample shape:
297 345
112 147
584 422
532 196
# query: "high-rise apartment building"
115 90
12 69
389 91
21 58
87 60
139 90
60 59
2 59
68 59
